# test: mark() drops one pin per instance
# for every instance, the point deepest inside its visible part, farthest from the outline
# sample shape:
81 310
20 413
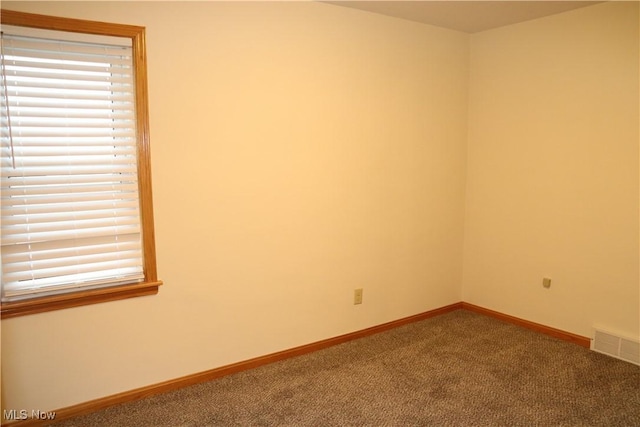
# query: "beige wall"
552 186
299 151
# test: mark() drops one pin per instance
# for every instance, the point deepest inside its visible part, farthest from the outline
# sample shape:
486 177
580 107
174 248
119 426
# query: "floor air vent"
616 346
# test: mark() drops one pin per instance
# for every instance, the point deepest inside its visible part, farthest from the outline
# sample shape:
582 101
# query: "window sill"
76 299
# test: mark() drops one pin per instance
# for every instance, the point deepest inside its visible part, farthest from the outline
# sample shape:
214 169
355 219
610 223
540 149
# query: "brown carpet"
458 369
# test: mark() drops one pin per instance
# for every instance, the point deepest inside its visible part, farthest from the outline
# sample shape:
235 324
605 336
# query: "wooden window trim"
151 283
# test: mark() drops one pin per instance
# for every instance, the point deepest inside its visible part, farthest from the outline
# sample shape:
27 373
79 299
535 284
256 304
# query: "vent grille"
616 346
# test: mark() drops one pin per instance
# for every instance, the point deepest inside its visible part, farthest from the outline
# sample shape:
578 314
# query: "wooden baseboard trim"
556 333
163 387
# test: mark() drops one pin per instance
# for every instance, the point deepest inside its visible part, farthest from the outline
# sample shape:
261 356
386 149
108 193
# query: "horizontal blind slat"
65 199
77 225
39 77
53 96
71 141
70 113
79 206
51 285
83 188
18 268
67 216
52 234
72 178
114 58
65 248
60 170
24 131
69 150
18 103
26 126
15 60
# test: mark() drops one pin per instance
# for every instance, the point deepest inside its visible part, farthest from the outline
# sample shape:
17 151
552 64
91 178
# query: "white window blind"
69 189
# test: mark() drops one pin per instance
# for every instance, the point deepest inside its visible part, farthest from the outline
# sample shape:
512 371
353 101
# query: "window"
77 218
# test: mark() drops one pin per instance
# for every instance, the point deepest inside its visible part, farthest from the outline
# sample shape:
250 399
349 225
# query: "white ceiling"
467 16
